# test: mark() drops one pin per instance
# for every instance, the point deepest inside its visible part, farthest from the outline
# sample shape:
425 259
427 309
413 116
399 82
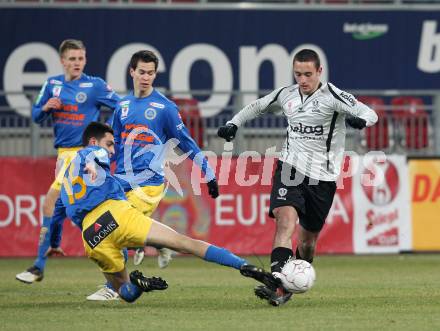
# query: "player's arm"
251 111
106 95
177 129
358 114
44 104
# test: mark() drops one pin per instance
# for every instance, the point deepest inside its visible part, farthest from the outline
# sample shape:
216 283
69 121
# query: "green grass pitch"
391 292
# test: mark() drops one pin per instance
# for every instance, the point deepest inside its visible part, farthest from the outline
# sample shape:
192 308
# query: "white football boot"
164 258
138 256
103 294
33 274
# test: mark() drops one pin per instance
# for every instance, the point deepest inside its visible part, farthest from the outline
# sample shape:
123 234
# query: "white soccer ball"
298 276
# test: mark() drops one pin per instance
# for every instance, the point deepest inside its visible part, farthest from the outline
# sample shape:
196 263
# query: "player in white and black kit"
304 182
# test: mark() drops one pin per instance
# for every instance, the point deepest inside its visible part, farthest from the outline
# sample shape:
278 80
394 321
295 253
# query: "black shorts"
311 198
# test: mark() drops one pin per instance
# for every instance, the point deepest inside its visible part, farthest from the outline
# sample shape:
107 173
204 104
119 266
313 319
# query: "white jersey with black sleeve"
315 139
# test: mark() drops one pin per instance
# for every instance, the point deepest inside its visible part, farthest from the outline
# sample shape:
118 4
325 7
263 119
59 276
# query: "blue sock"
130 292
43 244
109 285
224 257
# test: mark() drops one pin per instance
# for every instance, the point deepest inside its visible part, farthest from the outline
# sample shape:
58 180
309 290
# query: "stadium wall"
400 213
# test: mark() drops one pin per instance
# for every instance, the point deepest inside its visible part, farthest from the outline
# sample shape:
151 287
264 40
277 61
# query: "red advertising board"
237 219
24 183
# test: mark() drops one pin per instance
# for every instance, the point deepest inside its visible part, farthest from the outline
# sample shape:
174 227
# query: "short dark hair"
307 55
95 130
70 44
144 56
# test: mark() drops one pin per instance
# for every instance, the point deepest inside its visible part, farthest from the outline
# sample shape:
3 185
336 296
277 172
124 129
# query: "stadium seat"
190 113
379 136
412 122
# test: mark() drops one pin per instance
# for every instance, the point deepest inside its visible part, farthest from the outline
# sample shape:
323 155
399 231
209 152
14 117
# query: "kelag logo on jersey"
349 98
317 130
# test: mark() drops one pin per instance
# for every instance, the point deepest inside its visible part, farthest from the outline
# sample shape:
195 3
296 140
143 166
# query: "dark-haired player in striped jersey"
304 182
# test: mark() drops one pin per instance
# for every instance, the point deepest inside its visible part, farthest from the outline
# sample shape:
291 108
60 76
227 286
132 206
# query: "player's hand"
52 103
55 251
356 122
90 169
227 131
213 188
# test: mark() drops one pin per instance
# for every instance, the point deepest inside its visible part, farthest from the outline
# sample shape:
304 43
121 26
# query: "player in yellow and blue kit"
95 201
72 100
144 123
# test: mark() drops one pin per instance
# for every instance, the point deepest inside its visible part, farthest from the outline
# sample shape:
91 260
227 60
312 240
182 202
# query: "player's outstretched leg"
163 236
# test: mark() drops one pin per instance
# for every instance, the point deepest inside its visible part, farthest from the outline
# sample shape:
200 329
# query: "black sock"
299 257
279 257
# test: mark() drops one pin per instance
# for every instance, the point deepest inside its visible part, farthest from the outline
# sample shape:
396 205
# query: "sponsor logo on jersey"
81 97
180 126
349 98
55 82
315 106
317 130
282 192
150 114
86 85
124 110
56 91
100 230
365 31
157 105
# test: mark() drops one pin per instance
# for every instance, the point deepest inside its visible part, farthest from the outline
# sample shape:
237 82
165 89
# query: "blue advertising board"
224 50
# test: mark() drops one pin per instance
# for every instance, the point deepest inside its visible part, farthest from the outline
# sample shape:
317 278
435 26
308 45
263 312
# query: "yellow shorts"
109 228
65 156
145 198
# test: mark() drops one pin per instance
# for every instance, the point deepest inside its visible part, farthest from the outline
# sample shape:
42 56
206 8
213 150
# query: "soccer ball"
298 276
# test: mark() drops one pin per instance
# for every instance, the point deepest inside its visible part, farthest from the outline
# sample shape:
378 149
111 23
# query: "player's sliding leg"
162 235
130 288
36 272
